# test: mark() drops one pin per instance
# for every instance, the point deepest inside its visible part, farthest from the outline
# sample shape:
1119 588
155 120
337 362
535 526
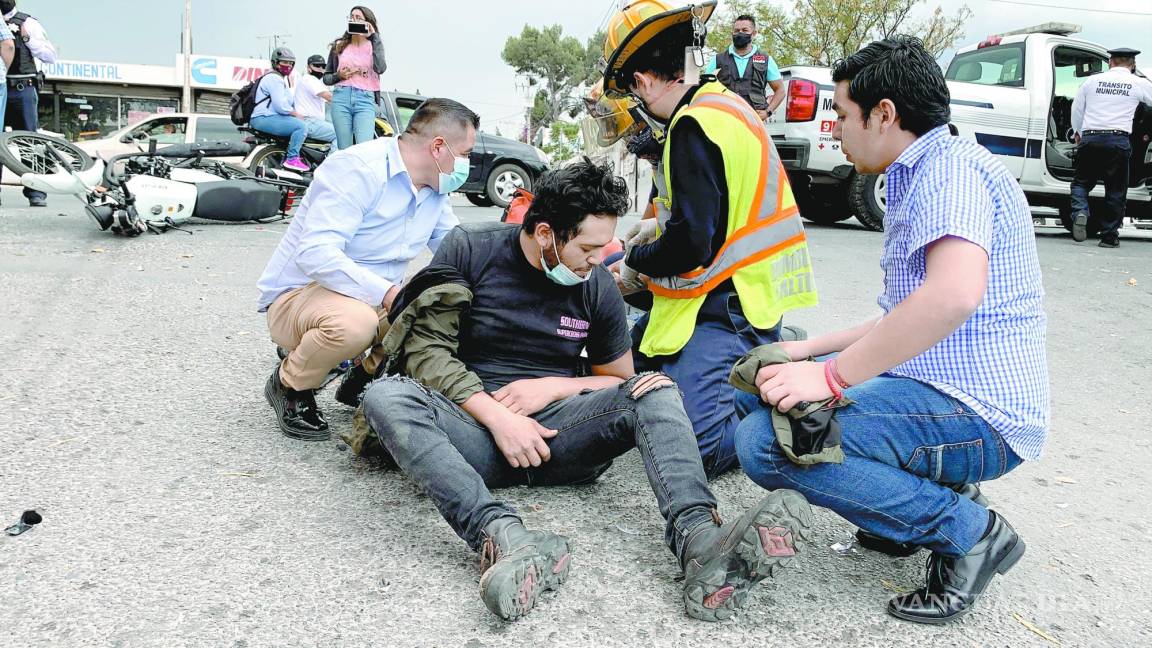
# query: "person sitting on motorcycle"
275 113
311 99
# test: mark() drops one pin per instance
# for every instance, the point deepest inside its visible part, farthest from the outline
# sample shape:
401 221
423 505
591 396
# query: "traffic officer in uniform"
729 255
32 44
747 71
1102 116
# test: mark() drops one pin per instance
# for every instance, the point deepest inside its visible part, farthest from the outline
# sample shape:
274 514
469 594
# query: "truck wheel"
868 200
503 183
480 200
825 205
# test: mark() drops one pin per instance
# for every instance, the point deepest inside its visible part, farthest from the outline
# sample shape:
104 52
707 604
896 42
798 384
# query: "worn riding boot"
722 563
904 549
518 565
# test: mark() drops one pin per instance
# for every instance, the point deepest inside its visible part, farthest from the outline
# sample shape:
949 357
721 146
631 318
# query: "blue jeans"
1103 158
353 116
454 459
284 126
722 336
904 443
319 129
22 113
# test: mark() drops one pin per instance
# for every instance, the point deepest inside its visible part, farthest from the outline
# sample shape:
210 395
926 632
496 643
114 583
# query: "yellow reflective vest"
765 252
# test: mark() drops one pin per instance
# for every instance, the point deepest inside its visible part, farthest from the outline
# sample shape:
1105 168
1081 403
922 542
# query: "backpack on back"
514 212
243 102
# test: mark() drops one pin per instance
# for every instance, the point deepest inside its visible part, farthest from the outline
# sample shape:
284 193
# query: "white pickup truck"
1012 93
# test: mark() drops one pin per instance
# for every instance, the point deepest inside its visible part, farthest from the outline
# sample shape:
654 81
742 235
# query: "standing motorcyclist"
275 113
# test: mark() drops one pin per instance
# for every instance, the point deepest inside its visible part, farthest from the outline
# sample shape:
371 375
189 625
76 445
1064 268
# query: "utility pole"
186 101
273 41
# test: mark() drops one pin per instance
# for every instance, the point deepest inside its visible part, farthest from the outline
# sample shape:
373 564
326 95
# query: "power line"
1067 8
603 19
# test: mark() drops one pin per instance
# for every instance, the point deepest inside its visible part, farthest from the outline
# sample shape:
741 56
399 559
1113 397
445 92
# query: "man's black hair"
436 115
746 17
901 70
564 197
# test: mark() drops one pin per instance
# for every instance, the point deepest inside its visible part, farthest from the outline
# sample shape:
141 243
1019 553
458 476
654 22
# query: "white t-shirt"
307 99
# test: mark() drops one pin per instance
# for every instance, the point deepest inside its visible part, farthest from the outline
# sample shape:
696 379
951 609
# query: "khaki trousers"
320 329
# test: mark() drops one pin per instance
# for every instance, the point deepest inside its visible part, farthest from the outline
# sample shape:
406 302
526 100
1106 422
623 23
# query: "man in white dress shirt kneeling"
370 210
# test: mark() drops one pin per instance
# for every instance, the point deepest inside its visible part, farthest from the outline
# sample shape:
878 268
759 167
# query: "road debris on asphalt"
28 519
1040 633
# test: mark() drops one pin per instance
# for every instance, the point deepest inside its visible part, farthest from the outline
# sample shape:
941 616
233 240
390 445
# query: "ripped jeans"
454 459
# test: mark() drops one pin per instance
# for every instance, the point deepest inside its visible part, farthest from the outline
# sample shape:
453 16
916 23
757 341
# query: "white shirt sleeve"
314 85
1078 106
38 42
341 191
447 222
1144 89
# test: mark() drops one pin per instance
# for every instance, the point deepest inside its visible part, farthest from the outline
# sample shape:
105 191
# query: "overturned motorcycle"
162 189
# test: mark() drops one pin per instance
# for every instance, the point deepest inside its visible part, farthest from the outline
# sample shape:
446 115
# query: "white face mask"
561 274
450 182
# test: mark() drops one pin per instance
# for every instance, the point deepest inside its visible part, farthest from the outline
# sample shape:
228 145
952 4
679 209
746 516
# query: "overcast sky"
452 47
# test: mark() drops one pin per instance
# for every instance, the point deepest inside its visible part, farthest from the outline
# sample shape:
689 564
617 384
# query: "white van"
1012 93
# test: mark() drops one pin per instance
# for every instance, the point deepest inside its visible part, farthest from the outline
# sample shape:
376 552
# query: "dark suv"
500 165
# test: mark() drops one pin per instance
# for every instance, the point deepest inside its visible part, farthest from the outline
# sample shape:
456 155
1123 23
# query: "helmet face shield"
609 120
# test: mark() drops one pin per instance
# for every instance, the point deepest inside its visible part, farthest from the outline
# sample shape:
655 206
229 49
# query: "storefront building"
88 99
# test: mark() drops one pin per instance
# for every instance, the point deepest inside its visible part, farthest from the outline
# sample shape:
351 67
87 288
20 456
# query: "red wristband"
833 386
836 374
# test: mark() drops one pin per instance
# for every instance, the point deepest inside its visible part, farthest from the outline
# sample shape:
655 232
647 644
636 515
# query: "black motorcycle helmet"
317 60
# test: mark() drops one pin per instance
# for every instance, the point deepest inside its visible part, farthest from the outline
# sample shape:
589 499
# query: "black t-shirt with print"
522 324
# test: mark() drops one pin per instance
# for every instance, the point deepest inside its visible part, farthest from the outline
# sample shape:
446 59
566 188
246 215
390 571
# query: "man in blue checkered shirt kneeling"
949 387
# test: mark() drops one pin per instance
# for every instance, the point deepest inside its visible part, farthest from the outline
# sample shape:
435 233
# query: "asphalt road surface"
132 418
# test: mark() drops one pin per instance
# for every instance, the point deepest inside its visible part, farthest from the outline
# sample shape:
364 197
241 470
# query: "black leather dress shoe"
296 410
351 389
955 584
1109 243
883 545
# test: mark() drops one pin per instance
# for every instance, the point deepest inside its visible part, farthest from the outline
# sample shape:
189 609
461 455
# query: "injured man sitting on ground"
485 390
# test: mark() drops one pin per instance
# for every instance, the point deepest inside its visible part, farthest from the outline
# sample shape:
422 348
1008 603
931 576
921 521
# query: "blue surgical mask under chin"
561 274
450 182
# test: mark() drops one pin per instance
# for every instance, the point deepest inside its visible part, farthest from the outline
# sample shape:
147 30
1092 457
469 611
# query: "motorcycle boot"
519 565
722 563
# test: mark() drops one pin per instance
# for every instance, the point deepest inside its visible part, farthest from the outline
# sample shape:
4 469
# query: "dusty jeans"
455 460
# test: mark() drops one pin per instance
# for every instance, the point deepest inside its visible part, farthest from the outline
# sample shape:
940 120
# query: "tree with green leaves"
819 32
565 142
555 64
